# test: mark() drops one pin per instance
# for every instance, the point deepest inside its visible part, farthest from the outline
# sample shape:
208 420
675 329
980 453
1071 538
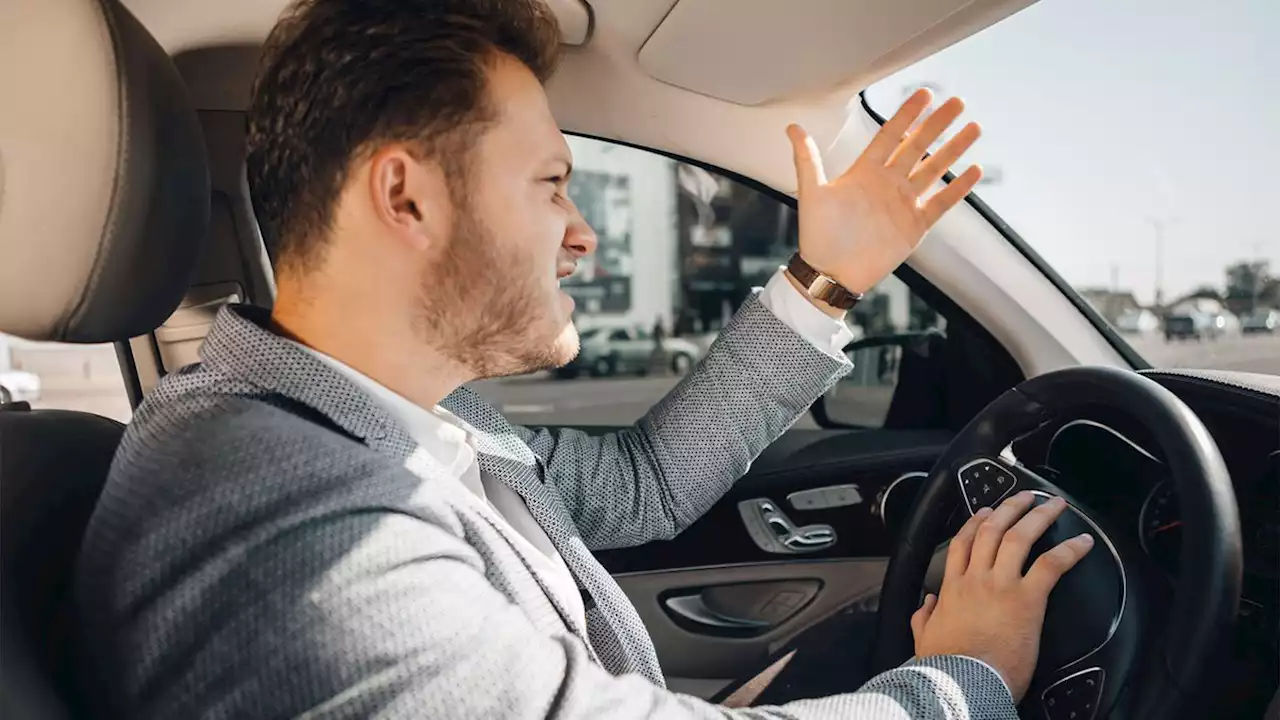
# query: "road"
1248 353
540 400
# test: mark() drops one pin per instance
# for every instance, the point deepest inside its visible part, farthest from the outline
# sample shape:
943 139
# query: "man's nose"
579 238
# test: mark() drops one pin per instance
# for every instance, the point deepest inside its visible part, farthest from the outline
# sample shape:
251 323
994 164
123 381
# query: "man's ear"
405 195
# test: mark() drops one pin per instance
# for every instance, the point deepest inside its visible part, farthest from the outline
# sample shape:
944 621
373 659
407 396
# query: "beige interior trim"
145 362
180 337
756 52
181 25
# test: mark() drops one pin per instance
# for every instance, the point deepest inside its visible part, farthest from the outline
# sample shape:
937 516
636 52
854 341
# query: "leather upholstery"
104 184
46 497
104 203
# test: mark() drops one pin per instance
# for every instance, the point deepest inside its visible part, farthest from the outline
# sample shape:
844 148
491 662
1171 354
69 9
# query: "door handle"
774 532
694 609
741 609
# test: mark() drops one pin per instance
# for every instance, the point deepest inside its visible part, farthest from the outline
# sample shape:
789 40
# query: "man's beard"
486 311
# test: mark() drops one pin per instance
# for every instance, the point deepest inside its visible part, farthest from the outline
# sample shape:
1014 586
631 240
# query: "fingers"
932 169
947 198
890 136
909 151
991 531
1017 543
809 172
921 616
962 545
1049 568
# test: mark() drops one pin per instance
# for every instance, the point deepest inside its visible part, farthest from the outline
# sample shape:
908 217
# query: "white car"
19 386
623 350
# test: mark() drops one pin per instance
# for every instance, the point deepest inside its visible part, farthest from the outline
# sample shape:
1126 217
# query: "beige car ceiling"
694 77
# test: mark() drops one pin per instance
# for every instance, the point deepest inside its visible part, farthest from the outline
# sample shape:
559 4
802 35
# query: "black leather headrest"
104 182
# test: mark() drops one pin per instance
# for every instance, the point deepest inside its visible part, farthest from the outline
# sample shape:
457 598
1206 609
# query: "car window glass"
63 376
679 249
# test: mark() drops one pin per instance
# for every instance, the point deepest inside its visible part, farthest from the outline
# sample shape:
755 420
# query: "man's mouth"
564 271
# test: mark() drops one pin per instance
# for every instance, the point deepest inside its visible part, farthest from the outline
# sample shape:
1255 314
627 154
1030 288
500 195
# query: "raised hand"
861 226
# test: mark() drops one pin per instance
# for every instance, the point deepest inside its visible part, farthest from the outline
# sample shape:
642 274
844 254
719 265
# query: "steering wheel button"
985 483
1075 697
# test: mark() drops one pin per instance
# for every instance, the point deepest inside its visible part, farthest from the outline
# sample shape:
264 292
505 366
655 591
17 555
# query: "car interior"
125 218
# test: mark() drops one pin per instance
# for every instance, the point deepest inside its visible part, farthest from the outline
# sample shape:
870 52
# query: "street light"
1158 224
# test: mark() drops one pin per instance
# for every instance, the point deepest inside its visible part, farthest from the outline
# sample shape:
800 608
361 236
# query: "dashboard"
1106 462
1127 484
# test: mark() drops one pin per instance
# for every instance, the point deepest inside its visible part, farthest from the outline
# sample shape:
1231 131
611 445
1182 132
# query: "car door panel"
689 654
718 606
798 461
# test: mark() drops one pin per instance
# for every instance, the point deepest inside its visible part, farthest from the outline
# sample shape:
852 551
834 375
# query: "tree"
1248 283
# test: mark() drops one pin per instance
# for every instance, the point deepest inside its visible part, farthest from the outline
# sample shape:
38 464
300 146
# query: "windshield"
1133 144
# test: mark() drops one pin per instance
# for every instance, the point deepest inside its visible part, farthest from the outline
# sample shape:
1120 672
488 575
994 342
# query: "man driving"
319 520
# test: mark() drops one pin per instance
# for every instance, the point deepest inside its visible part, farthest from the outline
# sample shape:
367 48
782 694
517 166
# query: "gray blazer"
272 544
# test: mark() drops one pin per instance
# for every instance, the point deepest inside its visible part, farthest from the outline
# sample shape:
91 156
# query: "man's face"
492 298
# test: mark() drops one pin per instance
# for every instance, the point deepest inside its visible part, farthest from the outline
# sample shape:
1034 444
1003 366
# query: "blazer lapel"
424 466
613 619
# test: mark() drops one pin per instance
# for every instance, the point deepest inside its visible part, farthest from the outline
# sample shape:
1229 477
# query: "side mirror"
898 381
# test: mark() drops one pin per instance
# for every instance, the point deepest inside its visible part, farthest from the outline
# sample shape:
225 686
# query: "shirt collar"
436 430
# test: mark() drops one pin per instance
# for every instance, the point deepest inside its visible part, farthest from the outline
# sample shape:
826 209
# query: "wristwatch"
821 287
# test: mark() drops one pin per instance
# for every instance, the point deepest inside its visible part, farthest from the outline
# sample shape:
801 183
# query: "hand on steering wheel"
988 609
1107 647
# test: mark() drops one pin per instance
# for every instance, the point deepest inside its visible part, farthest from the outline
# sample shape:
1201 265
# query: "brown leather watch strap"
821 287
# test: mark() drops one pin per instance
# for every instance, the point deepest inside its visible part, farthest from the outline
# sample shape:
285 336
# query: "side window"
63 376
898 338
679 250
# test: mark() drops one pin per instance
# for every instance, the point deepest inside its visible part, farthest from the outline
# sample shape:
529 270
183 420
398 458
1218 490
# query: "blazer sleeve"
652 480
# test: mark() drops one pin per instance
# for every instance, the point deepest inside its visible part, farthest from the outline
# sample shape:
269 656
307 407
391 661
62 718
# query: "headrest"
104 183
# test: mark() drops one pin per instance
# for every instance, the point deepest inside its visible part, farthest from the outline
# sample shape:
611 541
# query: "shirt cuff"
797 312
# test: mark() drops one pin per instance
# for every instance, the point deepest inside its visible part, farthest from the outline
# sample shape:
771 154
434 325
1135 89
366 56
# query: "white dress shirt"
440 434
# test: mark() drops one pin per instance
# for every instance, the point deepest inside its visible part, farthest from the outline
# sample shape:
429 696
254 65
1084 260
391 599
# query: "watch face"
819 286
824 288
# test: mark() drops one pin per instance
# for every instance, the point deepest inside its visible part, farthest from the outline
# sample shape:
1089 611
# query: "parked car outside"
1193 325
616 350
1261 321
19 386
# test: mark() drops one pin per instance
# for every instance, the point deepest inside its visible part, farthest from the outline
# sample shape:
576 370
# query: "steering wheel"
1101 654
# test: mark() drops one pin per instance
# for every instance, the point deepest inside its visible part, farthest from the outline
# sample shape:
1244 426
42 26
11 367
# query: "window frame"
916 283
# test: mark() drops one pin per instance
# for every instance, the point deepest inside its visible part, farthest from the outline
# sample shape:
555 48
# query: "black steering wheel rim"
1159 684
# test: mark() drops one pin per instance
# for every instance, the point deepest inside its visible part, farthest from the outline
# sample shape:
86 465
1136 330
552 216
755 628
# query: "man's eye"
554 179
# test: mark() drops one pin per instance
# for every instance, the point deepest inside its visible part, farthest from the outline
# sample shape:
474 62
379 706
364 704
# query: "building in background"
628 197
680 248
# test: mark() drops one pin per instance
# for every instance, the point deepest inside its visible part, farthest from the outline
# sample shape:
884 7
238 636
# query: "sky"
1106 118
